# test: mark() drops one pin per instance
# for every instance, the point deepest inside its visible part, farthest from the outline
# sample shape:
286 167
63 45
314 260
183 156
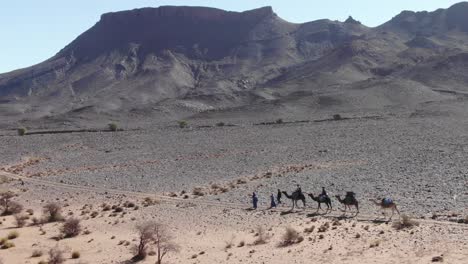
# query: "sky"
32 31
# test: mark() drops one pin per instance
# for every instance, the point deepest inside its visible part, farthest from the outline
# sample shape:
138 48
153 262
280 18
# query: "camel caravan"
349 201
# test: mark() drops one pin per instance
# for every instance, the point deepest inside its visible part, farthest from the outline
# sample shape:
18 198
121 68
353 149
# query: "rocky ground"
203 176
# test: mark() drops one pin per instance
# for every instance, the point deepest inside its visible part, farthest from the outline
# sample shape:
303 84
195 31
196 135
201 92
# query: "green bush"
183 124
22 131
113 127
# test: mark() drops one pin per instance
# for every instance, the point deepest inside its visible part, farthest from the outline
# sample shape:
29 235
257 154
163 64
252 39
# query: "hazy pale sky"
34 30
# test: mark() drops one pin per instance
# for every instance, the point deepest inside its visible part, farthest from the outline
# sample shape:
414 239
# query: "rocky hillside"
173 62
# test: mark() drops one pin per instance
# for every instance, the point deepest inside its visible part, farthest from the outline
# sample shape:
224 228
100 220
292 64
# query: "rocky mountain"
175 62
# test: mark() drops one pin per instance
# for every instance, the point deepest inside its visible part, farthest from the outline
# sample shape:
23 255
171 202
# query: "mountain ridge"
189 60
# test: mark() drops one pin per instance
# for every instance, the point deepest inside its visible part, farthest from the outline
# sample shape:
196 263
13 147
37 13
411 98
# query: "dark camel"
322 199
349 201
295 197
387 206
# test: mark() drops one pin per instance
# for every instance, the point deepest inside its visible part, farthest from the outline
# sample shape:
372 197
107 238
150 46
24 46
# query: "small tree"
153 233
9 206
52 212
112 127
21 131
20 220
71 227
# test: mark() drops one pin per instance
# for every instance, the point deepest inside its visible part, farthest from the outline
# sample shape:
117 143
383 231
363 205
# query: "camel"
322 199
349 201
295 197
385 206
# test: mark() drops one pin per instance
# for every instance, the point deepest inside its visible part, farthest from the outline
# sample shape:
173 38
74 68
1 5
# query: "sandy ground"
203 232
419 162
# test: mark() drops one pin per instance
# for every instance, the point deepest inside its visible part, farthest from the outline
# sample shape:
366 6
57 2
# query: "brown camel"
349 201
322 199
295 197
385 206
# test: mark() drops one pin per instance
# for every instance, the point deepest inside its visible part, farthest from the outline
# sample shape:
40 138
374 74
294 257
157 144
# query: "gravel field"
420 162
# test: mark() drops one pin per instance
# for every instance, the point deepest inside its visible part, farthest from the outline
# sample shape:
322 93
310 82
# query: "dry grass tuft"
261 236
198 191
36 253
405 222
75 255
13 235
290 237
56 256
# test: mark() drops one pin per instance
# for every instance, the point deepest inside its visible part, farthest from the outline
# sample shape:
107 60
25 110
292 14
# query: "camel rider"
298 190
324 193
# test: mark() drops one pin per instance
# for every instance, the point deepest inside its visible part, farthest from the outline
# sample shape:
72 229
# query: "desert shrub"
21 131
52 212
262 236
241 244
36 253
42 262
71 227
129 204
182 123
13 235
279 121
118 209
337 117
405 222
3 240
56 256
9 207
30 211
309 229
198 191
220 124
7 245
290 237
14 208
35 221
20 220
112 126
75 255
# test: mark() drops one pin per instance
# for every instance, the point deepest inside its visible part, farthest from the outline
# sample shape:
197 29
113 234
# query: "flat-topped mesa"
213 31
203 13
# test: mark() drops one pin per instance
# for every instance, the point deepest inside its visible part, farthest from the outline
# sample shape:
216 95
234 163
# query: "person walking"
272 201
278 197
254 200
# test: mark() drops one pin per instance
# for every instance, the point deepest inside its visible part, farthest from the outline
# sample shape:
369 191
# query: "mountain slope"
170 62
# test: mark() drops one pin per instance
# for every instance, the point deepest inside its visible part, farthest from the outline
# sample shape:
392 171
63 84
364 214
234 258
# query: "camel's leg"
396 209
357 209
